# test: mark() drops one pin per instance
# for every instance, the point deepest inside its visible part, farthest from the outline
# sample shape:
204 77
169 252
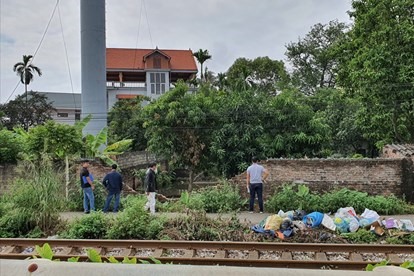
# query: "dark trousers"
109 199
256 188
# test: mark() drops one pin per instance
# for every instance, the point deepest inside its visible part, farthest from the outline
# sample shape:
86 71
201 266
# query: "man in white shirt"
256 174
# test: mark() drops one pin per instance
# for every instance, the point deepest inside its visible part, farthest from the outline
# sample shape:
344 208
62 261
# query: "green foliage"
126 120
93 255
93 147
314 58
287 198
57 140
376 67
35 199
222 198
44 251
165 179
198 226
35 111
135 223
361 236
91 226
10 146
371 267
261 74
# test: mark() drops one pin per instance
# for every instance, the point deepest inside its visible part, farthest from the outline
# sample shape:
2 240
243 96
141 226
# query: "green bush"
361 236
221 198
287 198
134 222
91 226
11 145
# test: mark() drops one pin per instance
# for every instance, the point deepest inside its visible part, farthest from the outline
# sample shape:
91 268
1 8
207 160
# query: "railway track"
255 254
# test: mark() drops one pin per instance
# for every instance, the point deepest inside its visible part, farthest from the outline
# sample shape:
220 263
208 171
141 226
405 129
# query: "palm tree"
25 71
202 56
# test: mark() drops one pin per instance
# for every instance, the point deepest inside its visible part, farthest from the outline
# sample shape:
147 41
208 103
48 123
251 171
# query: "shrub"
11 145
35 199
287 198
92 226
135 223
198 226
361 236
222 198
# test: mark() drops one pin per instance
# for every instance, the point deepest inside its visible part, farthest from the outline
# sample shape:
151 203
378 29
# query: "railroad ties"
254 254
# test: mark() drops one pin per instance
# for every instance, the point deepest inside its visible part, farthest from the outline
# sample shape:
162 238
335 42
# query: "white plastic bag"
328 222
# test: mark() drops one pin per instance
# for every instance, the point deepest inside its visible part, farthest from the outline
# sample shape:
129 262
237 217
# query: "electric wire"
139 27
67 58
39 45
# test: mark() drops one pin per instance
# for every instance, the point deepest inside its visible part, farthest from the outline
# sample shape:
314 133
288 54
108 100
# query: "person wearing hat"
256 175
87 185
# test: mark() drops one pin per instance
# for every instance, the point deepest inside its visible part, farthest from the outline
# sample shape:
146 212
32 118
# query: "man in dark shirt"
113 184
150 183
87 185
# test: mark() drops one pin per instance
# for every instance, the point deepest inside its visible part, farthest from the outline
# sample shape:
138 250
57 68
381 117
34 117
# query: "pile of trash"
345 220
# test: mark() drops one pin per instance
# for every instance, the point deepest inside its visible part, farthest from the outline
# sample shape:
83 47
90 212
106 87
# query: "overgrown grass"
34 202
287 198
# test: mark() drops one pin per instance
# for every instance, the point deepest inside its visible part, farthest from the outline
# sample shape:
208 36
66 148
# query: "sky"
228 29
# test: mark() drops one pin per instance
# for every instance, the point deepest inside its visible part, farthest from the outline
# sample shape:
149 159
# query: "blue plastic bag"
313 219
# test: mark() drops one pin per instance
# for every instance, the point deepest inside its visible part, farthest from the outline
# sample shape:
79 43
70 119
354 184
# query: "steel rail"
15 249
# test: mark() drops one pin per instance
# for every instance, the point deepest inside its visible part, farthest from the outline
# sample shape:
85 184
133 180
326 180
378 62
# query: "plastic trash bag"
273 222
313 219
346 220
368 217
406 225
328 222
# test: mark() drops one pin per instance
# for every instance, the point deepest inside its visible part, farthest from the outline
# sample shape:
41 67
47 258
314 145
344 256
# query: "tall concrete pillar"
93 64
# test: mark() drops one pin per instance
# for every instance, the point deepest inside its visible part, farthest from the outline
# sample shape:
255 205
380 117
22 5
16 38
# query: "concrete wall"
7 173
374 176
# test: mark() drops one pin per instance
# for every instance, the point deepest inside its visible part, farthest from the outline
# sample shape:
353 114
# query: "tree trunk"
67 176
190 180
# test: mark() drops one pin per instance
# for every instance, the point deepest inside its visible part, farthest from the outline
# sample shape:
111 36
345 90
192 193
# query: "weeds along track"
255 254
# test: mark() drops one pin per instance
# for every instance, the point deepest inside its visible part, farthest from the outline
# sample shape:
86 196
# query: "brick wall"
374 176
135 159
7 172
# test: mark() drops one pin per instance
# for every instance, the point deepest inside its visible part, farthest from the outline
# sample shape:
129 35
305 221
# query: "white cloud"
228 29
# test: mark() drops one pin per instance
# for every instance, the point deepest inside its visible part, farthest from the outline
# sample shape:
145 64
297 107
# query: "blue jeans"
109 199
256 188
88 199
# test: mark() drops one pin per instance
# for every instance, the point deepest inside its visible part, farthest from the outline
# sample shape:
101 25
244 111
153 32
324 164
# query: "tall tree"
177 128
314 57
27 110
261 74
202 56
126 122
378 68
25 70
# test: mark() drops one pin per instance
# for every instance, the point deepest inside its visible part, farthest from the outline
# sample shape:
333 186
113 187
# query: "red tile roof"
121 58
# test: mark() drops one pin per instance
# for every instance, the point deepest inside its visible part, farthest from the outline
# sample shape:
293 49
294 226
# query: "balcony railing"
117 84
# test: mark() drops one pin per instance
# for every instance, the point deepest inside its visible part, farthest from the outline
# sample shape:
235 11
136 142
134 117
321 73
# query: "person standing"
256 175
87 185
150 183
113 184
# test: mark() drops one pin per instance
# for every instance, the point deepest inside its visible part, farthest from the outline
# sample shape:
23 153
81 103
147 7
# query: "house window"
77 115
157 63
65 115
157 82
